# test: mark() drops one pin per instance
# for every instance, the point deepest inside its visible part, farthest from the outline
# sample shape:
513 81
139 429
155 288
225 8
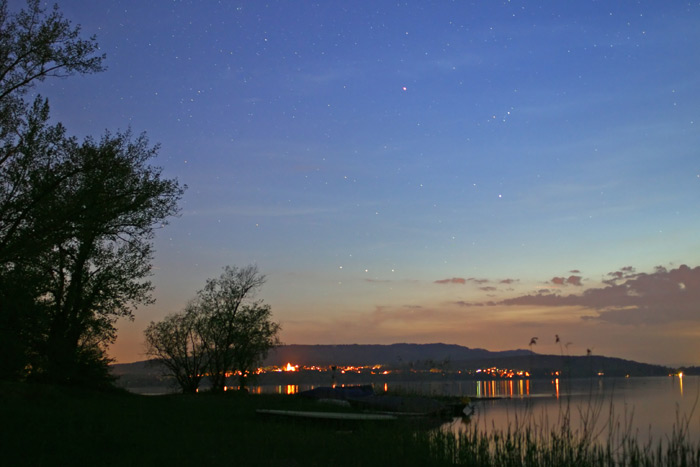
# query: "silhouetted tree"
220 301
222 331
175 343
95 271
20 316
76 219
34 45
255 334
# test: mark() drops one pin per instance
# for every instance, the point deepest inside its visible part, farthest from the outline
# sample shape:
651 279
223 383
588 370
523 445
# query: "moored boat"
364 398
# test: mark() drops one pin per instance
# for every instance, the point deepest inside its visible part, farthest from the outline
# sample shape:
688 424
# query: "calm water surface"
646 408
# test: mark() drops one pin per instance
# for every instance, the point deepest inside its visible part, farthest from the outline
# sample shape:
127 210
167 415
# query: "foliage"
221 332
255 334
176 345
76 218
19 315
90 271
36 45
95 274
220 301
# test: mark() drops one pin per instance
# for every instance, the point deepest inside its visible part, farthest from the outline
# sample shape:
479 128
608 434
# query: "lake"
644 407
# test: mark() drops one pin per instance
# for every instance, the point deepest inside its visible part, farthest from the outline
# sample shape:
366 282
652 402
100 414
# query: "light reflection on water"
643 408
493 388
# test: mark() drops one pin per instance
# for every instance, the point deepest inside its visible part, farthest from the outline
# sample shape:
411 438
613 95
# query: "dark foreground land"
46 425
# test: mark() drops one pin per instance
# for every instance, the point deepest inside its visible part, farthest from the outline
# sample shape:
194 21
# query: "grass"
597 439
530 447
47 425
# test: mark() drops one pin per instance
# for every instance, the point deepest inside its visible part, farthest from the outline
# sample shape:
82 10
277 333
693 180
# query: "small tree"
255 335
220 300
223 331
175 344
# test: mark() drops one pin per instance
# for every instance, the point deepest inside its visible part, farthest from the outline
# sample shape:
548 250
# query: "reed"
596 440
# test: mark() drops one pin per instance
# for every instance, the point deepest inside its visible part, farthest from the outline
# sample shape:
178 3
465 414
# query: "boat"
337 416
364 398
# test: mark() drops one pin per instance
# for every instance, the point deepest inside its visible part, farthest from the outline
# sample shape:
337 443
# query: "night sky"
474 173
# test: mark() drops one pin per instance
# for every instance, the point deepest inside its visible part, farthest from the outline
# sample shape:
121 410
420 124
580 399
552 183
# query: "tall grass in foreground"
527 447
595 442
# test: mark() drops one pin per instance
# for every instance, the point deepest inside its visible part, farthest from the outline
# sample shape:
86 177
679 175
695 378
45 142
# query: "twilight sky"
475 173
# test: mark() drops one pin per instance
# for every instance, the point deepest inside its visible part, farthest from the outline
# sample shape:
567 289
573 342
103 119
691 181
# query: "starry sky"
468 172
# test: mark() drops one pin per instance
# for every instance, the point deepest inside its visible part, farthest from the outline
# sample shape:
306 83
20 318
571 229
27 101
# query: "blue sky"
363 153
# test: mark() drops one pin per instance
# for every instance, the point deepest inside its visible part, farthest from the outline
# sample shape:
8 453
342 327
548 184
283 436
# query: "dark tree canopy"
255 335
221 300
90 267
77 219
96 272
35 45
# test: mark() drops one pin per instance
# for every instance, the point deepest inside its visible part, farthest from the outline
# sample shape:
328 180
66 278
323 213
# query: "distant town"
289 369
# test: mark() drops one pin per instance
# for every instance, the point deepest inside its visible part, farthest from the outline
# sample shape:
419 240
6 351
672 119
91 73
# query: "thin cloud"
574 280
473 280
478 281
466 304
661 297
571 280
627 272
454 280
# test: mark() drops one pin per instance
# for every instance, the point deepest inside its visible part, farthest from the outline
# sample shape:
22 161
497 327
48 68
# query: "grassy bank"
61 426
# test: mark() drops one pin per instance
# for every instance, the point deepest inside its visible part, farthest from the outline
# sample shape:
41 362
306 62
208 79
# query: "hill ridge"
378 354
437 355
